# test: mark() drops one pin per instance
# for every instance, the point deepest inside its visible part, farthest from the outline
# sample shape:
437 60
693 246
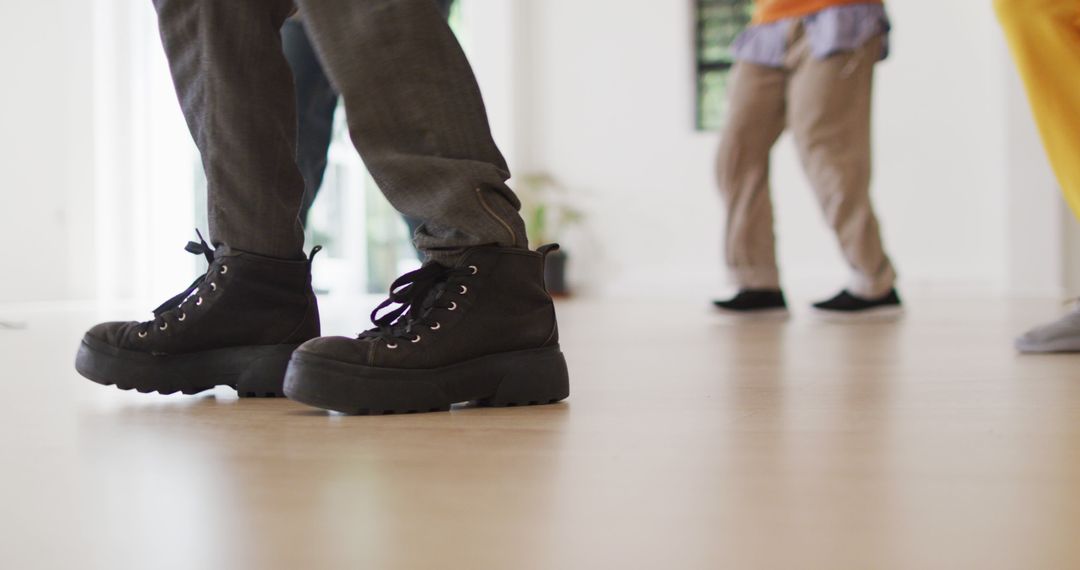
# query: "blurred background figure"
316 101
807 65
1044 36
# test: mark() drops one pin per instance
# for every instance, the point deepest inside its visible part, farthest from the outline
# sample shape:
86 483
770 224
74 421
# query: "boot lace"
418 295
176 304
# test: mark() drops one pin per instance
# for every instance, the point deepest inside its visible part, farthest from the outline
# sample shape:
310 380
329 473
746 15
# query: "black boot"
483 330
235 326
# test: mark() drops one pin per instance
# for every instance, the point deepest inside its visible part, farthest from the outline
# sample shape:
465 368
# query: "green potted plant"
546 208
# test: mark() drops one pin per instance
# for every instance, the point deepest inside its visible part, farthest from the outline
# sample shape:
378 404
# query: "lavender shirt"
832 30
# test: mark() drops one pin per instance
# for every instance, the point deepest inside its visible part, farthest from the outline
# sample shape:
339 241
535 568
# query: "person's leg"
444 7
413 225
416 116
829 116
236 93
237 324
475 322
755 120
316 101
1044 36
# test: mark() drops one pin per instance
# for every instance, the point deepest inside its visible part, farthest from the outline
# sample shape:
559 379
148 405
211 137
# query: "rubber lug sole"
254 371
518 378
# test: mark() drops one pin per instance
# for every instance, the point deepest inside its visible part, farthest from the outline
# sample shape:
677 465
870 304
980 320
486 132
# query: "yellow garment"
1044 36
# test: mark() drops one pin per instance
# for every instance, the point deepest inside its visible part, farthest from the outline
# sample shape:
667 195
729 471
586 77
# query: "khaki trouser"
826 103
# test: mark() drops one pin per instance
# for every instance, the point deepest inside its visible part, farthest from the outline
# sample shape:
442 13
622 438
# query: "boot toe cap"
114 333
338 348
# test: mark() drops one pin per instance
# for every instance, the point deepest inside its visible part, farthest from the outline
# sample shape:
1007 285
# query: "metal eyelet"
452 306
474 269
142 334
391 346
198 301
417 339
213 286
163 326
224 269
463 290
181 317
435 327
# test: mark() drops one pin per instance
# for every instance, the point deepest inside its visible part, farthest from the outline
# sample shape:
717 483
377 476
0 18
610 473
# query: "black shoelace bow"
197 248
417 294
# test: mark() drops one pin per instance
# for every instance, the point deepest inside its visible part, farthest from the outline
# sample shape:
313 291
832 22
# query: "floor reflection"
353 489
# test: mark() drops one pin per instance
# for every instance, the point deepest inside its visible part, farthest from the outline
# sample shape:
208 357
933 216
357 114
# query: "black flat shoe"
754 301
846 303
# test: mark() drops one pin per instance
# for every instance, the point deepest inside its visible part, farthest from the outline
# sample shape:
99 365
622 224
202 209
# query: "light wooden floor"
689 441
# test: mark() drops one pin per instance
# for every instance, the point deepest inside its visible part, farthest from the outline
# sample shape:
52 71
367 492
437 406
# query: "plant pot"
555 274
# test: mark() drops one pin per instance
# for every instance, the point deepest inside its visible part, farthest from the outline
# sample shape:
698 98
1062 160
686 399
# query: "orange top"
772 10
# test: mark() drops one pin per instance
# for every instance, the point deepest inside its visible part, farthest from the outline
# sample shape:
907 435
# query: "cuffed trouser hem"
413 107
756 277
873 287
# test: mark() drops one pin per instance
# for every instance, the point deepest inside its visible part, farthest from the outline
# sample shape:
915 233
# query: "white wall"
46 151
612 96
145 159
95 196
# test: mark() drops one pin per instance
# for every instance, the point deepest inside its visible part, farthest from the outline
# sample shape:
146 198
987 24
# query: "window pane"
718 24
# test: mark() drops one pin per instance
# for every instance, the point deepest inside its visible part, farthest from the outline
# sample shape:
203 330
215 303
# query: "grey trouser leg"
416 116
316 103
236 93
826 103
413 106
